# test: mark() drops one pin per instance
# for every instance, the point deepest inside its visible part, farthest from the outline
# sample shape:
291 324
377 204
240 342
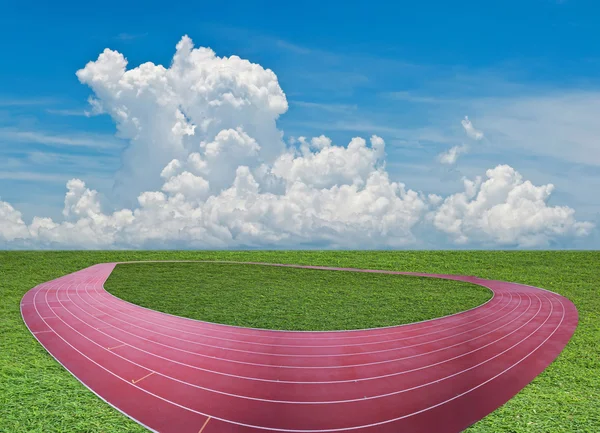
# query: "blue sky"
526 74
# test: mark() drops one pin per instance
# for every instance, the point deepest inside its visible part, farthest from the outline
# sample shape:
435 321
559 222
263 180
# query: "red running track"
179 375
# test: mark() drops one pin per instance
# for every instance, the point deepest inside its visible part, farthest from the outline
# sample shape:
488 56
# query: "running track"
179 375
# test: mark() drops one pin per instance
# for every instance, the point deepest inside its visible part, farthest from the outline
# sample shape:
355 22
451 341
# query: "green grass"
38 395
287 298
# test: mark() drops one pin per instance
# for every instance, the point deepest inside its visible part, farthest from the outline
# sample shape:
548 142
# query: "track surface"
179 375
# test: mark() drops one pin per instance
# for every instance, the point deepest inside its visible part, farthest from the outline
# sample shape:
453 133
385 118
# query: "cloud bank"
207 167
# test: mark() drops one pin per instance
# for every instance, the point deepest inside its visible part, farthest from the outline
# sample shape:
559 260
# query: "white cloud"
451 155
330 165
166 113
207 168
80 202
12 226
192 187
470 129
86 226
367 208
504 209
380 212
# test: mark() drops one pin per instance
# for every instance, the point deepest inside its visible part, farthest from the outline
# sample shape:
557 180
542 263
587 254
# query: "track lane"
301 384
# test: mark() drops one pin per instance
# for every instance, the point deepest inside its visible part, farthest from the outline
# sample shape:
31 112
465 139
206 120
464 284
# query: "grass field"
38 395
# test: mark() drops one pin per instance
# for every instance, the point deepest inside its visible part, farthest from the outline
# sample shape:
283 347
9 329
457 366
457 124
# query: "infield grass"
38 395
287 298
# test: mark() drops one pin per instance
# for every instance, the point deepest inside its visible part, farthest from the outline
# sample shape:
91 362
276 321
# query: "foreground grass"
37 395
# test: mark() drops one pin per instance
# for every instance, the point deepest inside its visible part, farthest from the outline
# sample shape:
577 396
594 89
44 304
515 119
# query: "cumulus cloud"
80 201
507 210
192 187
364 208
206 167
165 113
330 165
12 226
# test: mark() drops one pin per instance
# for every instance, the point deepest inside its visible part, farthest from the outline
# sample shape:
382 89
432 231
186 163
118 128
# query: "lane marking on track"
120 345
204 425
136 381
39 332
49 317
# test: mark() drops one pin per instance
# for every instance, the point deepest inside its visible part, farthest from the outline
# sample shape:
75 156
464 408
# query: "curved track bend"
179 375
